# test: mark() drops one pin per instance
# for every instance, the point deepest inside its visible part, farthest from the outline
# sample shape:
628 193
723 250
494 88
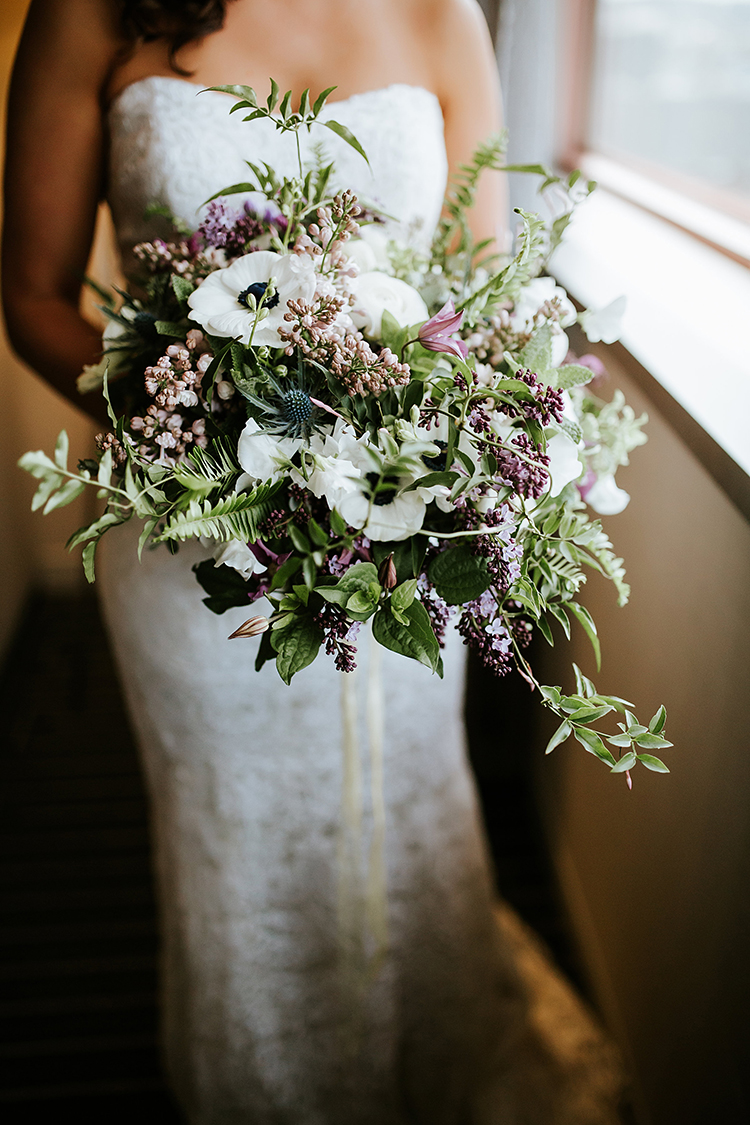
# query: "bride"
283 1001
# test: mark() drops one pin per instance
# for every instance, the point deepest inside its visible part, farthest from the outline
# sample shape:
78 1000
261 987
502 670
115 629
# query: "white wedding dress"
263 1022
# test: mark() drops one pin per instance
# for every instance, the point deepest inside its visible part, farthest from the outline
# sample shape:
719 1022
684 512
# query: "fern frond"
206 469
234 517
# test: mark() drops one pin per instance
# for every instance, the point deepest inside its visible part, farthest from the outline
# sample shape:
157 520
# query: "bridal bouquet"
361 431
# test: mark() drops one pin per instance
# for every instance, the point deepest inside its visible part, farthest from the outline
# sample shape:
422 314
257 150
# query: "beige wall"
657 881
32 551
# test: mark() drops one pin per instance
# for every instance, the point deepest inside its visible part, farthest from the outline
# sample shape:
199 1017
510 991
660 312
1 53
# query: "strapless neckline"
198 87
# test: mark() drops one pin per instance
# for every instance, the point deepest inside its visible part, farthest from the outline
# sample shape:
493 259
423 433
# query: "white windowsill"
688 315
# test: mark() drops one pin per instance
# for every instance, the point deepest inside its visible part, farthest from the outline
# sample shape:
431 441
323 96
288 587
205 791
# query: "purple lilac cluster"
522 465
501 553
340 634
235 230
490 636
547 403
438 610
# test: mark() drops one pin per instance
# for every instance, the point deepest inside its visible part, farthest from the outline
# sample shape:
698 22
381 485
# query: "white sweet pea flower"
262 456
375 293
565 465
239 557
333 477
604 324
226 302
395 520
605 497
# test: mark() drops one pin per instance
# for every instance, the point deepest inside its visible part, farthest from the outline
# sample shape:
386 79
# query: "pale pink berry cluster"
165 430
493 337
182 258
317 332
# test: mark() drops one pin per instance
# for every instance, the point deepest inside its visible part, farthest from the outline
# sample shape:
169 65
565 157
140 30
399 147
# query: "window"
658 109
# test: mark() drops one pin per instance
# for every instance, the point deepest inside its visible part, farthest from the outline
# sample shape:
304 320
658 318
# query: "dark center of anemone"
388 486
256 291
296 406
437 464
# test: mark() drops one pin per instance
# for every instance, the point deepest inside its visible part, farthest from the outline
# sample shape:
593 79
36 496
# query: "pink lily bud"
436 334
251 628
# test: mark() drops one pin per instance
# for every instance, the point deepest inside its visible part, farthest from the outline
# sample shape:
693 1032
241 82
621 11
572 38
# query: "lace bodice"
171 146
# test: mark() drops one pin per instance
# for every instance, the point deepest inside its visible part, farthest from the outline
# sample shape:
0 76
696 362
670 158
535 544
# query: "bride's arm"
469 89
53 182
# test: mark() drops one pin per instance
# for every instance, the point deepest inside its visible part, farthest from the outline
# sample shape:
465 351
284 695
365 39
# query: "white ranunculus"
605 497
565 464
218 304
263 456
375 293
362 254
604 324
239 557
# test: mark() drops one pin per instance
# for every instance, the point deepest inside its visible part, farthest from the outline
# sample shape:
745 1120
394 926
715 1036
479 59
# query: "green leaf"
652 741
573 375
656 726
299 539
309 570
620 739
652 763
338 525
321 100
273 97
544 629
171 328
265 651
285 572
61 450
586 620
626 762
358 577
361 603
348 136
592 742
183 288
94 530
104 476
87 557
550 694
459 576
404 595
537 355
226 588
563 731
589 714
70 491
46 488
317 534
296 646
417 640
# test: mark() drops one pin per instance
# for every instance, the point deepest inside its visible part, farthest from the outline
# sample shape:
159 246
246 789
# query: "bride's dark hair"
177 21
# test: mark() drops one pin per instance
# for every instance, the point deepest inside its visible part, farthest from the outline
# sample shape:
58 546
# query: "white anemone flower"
239 556
226 303
263 456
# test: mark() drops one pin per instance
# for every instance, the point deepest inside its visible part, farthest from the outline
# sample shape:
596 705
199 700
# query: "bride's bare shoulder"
69 43
458 41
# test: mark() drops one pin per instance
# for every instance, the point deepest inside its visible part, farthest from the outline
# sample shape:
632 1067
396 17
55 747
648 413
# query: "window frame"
718 218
